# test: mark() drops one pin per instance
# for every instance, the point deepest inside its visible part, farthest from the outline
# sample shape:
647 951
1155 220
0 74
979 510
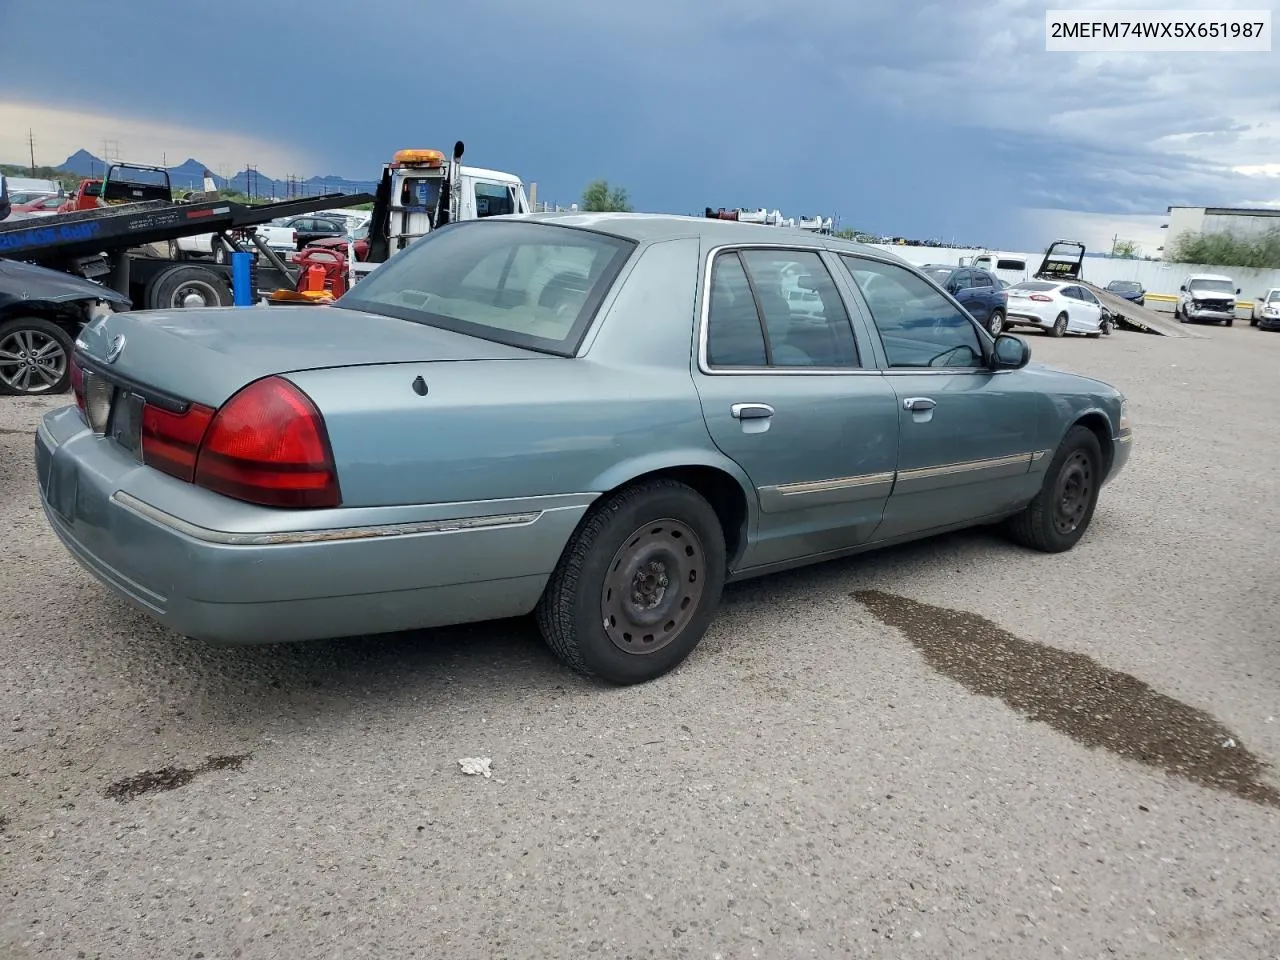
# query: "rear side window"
779 308
528 285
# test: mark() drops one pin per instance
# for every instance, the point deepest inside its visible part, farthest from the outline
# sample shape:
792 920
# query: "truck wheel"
34 355
187 286
637 584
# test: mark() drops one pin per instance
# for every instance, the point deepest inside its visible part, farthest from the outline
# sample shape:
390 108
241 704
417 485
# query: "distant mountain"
189 175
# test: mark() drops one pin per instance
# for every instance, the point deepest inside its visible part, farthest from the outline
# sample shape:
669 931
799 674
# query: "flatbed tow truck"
109 243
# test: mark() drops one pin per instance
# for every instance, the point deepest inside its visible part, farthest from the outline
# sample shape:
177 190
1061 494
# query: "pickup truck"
283 240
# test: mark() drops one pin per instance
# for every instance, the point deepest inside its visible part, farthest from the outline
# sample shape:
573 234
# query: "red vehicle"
339 245
40 207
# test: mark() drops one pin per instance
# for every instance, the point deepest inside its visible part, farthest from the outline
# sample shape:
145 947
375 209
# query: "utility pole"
31 142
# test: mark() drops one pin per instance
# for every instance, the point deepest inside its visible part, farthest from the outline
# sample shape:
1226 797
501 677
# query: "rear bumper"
257 581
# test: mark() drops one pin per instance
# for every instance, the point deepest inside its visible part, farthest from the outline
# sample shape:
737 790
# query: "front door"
968 434
785 395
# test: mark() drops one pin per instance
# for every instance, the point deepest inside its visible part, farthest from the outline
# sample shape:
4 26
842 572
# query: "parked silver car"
597 418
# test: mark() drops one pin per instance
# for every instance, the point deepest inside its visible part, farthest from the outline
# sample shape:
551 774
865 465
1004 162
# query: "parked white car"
1207 297
1266 308
283 240
1061 307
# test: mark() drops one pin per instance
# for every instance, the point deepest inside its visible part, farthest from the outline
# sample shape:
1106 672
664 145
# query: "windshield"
1211 286
528 285
1124 286
1273 296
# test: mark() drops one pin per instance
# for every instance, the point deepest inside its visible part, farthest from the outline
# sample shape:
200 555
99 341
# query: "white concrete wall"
1158 277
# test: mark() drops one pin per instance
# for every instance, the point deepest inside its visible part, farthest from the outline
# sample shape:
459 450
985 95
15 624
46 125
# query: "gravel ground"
833 773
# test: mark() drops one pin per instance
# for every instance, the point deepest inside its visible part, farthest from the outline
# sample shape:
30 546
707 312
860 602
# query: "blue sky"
924 119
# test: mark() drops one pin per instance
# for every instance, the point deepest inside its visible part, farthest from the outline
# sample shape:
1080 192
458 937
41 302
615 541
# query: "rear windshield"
939 274
1040 285
531 285
1011 265
1211 286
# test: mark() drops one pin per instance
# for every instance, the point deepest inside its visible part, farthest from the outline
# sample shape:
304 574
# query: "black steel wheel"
653 586
637 585
1061 512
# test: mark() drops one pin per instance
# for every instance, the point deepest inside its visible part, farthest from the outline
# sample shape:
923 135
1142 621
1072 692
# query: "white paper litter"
472 766
1228 744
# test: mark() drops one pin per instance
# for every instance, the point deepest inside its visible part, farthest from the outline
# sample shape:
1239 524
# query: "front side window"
918 326
525 284
779 308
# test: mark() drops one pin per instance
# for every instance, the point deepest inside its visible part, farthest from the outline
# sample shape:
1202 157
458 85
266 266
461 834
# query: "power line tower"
251 180
110 151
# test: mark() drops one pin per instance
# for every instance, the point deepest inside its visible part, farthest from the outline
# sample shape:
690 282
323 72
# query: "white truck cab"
1207 297
1010 267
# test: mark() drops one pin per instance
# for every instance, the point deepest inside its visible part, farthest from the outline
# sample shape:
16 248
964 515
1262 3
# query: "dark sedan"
311 229
1130 290
978 291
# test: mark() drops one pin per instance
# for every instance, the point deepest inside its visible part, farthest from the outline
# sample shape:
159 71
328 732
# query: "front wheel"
1060 514
34 357
637 584
1231 322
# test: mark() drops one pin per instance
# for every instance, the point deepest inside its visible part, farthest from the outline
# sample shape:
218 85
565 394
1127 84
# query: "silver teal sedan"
598 419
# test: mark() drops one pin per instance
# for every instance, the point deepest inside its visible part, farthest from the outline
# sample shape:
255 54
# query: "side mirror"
1237 291
1010 353
1183 288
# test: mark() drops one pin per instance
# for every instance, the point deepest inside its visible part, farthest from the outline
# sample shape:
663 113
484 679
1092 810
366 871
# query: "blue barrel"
242 278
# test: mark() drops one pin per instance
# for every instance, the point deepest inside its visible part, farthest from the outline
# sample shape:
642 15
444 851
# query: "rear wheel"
996 323
637 585
187 286
1060 326
34 355
1061 512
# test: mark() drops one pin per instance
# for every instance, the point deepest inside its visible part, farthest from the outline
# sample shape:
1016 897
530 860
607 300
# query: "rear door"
983 295
787 395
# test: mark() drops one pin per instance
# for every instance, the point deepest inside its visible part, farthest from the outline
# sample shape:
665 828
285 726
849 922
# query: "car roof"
657 227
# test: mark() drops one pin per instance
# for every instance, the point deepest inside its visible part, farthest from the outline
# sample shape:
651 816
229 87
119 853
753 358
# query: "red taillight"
171 441
1041 297
77 382
268 445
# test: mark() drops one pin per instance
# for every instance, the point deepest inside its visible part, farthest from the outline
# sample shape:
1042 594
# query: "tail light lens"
1041 297
171 441
266 445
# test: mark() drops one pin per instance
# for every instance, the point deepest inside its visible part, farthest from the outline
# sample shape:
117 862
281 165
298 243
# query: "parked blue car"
1130 290
979 291
599 419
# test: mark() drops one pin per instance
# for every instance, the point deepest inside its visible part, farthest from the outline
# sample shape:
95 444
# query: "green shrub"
1227 250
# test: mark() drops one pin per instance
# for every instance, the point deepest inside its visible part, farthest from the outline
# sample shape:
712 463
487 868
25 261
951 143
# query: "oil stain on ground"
1077 696
170 778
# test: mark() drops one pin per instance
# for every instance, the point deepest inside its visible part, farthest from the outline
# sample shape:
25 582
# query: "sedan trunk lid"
205 355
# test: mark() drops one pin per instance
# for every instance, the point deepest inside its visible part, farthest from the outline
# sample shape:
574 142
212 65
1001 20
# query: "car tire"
635 542
1059 325
995 325
54 345
1231 322
1061 512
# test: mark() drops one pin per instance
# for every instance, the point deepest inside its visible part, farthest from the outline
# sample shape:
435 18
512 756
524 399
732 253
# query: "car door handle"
751 411
918 404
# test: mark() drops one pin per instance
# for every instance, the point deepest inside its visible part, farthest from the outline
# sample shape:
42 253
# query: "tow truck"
419 191
127 239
